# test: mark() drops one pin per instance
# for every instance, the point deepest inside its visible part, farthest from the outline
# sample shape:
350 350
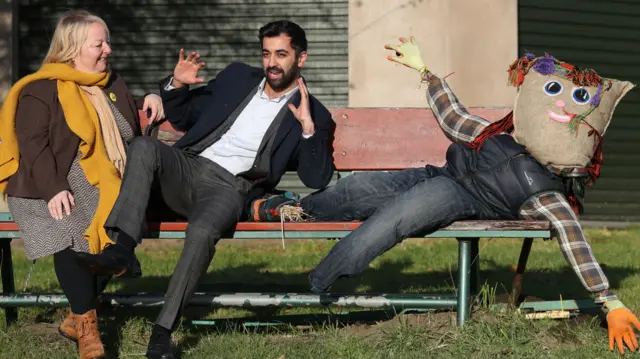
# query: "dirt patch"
432 327
45 329
439 326
437 323
560 335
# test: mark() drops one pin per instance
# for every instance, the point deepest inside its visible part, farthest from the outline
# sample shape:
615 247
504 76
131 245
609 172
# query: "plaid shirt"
460 126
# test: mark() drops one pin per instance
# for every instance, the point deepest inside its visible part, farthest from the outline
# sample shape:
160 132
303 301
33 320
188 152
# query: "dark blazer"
200 111
47 145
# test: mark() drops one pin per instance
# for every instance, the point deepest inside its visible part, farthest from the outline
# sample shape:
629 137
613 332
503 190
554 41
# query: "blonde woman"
64 131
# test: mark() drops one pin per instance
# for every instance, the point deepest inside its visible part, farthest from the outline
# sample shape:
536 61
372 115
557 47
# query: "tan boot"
89 343
67 329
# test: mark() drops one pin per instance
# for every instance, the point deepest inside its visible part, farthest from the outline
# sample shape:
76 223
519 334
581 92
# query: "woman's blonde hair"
69 36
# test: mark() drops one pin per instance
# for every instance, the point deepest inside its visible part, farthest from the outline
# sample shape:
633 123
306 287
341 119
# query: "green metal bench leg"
519 277
475 266
464 279
8 284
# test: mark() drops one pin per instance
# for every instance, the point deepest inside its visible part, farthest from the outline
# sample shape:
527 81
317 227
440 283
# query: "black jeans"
210 197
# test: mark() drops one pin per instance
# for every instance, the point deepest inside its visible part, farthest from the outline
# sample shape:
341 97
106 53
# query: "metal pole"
8 284
516 289
475 266
464 279
248 300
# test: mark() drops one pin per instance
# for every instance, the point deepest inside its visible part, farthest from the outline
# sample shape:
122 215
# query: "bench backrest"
382 138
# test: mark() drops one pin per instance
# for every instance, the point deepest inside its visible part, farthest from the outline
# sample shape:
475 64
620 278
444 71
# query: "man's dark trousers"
210 197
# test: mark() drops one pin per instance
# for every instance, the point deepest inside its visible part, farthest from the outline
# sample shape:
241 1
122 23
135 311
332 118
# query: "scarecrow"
533 164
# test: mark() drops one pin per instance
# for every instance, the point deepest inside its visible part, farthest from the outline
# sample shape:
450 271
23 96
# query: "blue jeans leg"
358 196
426 207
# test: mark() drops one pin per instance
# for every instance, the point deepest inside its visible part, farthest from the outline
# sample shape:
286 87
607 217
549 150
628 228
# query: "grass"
411 267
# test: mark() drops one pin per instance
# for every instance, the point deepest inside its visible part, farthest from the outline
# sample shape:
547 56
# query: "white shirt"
237 148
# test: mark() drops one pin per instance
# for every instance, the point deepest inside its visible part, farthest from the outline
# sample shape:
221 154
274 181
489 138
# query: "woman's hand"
61 204
154 103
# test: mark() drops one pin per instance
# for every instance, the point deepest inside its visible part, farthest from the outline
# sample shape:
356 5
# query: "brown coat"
46 143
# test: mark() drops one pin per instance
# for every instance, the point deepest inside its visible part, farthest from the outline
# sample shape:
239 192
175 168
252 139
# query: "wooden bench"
365 140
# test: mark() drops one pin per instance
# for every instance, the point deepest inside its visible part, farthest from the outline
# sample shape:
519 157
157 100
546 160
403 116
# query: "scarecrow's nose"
560 103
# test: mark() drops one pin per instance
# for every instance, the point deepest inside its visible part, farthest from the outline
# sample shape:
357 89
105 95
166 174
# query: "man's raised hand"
186 70
302 113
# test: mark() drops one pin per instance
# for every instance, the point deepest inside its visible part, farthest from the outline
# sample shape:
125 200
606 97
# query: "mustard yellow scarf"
83 121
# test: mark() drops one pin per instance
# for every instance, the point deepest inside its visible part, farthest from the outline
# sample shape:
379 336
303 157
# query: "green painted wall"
147 35
605 36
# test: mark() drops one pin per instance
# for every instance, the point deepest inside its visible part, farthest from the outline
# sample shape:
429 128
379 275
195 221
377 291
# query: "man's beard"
285 81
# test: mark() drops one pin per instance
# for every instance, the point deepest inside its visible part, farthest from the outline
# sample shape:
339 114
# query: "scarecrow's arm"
552 206
454 120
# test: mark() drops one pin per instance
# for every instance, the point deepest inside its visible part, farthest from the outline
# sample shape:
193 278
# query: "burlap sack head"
561 111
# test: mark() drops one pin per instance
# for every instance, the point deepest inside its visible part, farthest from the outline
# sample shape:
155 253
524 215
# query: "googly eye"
553 88
580 96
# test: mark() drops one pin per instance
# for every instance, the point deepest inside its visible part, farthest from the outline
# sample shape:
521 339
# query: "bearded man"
244 130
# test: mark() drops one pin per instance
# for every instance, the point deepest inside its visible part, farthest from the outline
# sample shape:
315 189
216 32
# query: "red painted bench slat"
392 139
350 226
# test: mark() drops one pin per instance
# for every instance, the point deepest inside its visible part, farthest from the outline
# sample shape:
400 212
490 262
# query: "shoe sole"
161 356
107 271
256 210
64 335
76 341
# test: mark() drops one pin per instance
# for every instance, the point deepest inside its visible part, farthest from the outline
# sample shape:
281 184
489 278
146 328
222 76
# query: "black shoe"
113 260
160 344
314 288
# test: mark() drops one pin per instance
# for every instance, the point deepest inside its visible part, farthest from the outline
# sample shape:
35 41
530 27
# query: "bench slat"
350 226
342 226
393 138
341 234
323 230
382 138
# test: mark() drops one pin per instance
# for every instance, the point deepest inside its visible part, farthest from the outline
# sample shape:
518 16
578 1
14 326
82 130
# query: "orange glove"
620 321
